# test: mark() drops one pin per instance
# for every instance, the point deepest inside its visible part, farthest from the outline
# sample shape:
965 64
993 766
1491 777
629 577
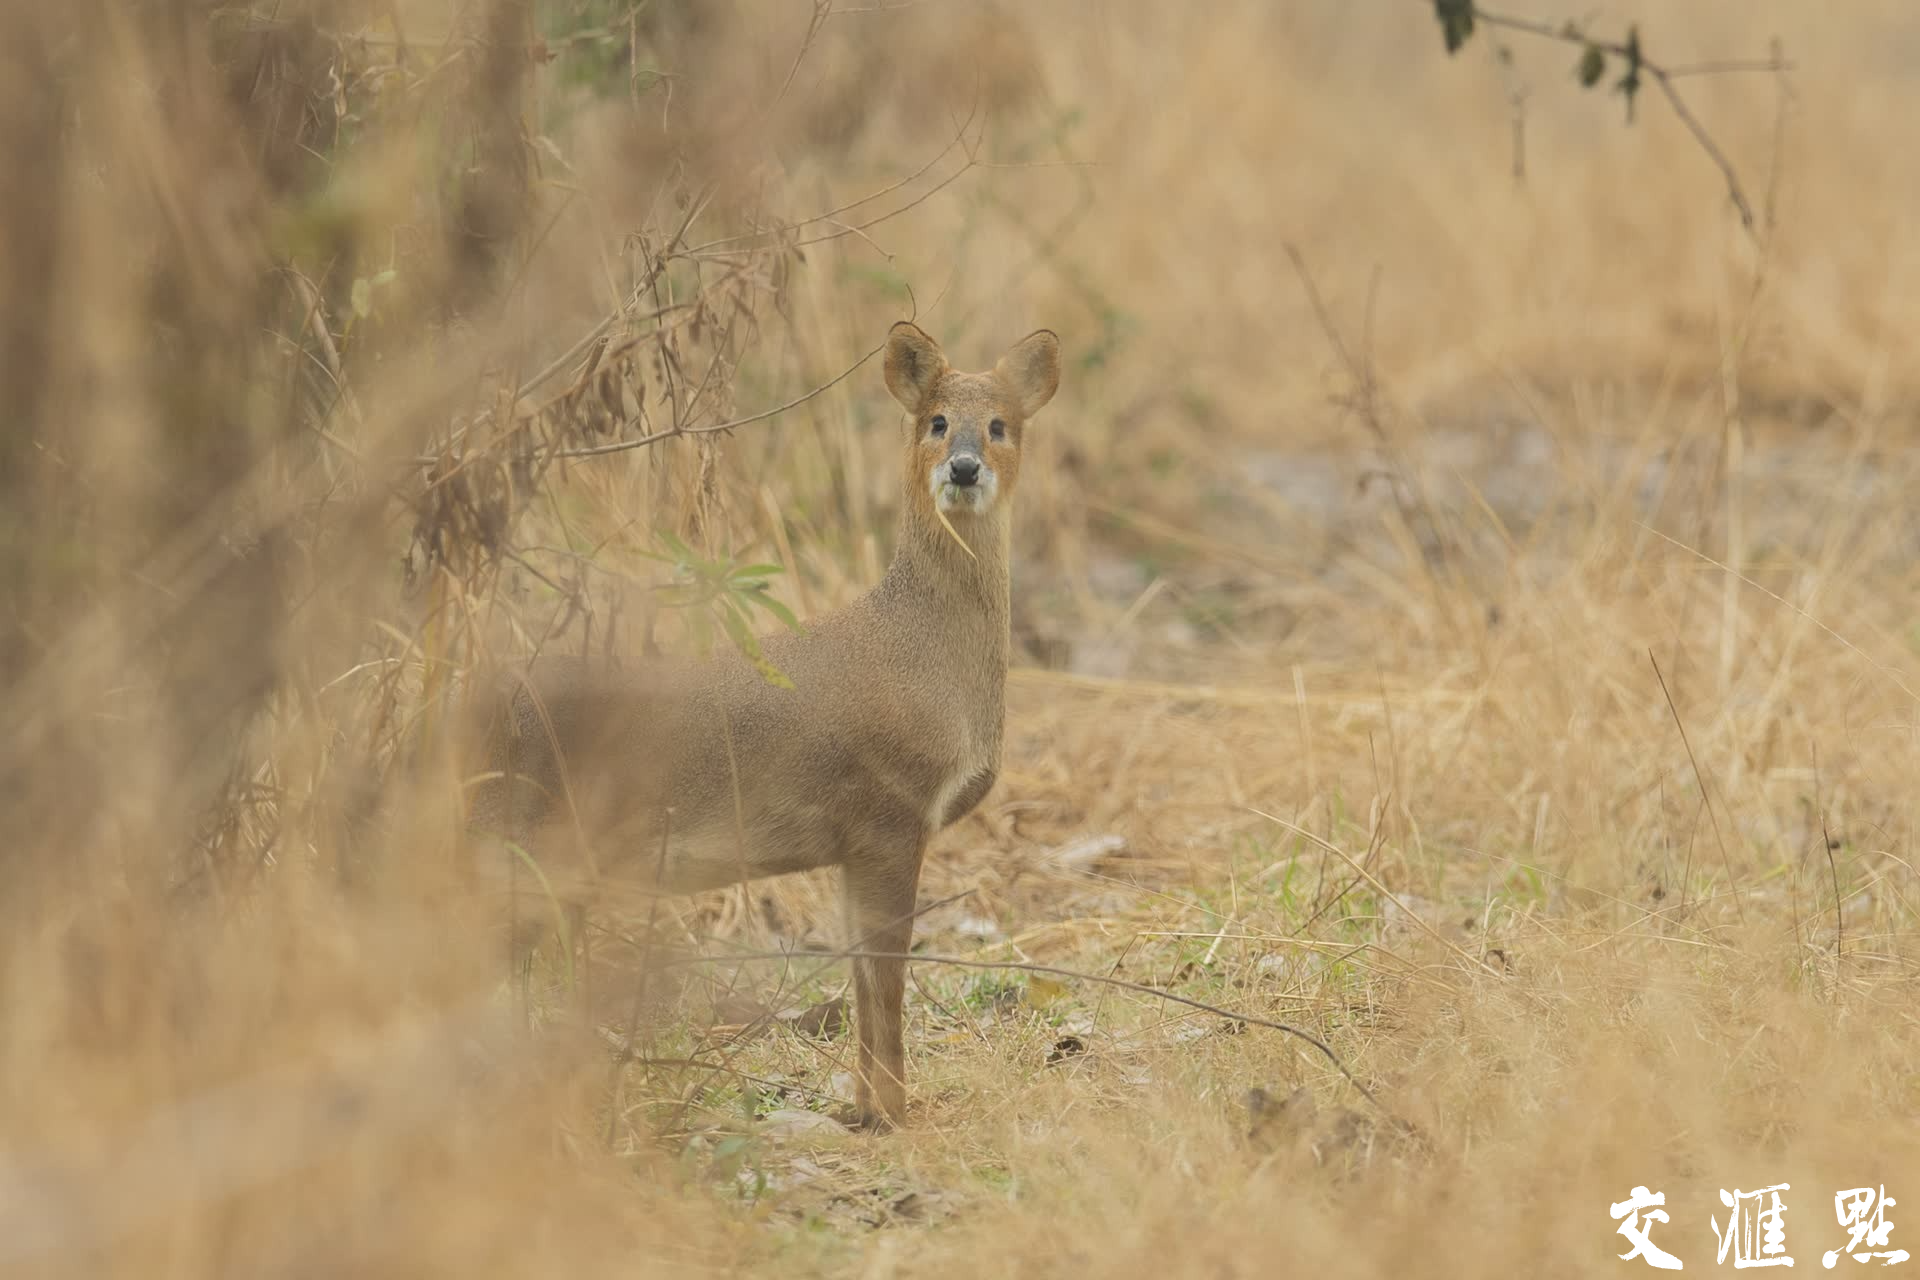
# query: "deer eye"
939 425
997 429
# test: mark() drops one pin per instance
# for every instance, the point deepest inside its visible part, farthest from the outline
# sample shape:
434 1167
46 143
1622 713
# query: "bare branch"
621 446
1699 131
694 209
922 198
1731 66
816 20
959 137
1663 76
898 6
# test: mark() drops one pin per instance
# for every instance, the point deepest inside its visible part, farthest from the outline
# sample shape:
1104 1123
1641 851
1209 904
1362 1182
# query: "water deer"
684 775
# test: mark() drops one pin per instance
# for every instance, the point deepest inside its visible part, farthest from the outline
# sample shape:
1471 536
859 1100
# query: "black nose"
963 469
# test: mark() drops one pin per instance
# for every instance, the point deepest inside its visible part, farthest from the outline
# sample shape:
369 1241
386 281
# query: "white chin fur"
973 499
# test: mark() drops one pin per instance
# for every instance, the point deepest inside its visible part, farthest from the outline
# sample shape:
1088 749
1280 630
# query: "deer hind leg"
878 894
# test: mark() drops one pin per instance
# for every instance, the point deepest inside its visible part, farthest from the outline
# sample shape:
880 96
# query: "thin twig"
959 136
1705 797
821 9
1374 842
565 359
695 208
830 958
1707 144
1366 401
1662 76
1382 889
1731 66
721 1068
572 354
621 446
972 163
640 979
899 6
1058 972
315 321
1833 870
1891 674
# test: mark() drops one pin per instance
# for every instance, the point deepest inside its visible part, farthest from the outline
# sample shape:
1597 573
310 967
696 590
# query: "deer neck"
960 593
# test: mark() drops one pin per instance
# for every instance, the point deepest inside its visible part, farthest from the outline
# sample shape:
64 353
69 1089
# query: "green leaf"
1593 65
362 298
1043 991
773 606
1456 22
385 277
773 675
737 629
681 550
1629 84
756 571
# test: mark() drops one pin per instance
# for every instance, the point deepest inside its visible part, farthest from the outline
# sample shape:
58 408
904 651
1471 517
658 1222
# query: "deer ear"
1031 370
914 364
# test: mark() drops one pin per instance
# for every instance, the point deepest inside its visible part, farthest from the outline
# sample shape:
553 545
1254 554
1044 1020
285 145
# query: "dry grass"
1521 701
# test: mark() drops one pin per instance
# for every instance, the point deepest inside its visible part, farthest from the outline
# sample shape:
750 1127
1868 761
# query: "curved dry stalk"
952 532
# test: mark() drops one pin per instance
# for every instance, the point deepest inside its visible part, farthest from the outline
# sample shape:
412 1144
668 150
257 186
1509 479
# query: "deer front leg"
878 893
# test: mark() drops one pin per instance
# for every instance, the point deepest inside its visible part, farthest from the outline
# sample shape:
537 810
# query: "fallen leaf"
1043 991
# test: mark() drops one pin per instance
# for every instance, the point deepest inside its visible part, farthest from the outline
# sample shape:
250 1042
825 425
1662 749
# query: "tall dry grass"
1496 658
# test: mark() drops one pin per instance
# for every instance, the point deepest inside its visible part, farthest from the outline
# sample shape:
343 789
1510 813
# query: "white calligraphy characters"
1863 1212
1756 1231
1642 1246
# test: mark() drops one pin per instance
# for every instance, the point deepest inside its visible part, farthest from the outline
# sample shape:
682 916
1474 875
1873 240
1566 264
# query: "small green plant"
991 990
1525 887
1289 893
733 1162
719 593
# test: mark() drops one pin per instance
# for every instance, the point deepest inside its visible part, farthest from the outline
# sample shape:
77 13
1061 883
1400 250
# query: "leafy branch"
1459 19
714 591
